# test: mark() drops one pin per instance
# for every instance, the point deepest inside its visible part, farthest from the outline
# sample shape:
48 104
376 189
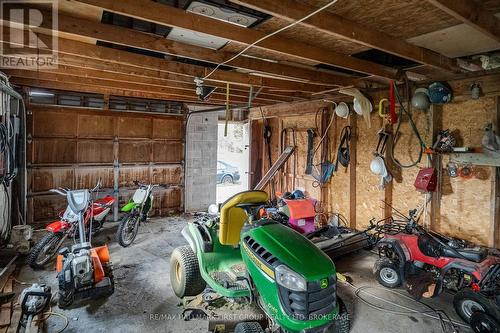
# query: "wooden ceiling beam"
180 80
150 42
71 27
473 14
172 93
178 87
338 26
81 49
175 17
101 53
43 84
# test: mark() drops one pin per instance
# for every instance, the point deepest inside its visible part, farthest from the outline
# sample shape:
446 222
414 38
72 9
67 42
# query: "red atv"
67 226
429 263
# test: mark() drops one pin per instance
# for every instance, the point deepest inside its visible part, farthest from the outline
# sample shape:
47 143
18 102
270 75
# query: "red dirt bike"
429 263
67 226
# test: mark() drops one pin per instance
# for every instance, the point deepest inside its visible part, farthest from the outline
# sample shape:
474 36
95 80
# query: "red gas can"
426 180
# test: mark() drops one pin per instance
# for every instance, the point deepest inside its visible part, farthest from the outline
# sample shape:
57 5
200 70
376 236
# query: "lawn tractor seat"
232 217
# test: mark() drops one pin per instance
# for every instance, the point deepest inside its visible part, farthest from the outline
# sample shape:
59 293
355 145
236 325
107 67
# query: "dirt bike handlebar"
141 184
64 191
60 191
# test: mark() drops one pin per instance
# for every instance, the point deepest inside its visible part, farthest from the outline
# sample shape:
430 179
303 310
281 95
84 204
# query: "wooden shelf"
486 158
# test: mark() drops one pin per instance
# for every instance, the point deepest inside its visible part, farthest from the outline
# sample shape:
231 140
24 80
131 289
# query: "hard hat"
440 93
377 166
420 99
342 110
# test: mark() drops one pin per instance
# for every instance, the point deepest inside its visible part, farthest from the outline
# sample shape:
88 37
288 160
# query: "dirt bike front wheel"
45 250
128 229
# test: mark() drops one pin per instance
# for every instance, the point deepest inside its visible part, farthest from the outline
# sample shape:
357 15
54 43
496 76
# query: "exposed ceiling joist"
81 49
173 87
145 41
77 27
173 93
473 14
175 17
168 78
43 84
336 25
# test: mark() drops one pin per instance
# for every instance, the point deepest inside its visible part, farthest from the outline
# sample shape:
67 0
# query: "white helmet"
342 110
377 166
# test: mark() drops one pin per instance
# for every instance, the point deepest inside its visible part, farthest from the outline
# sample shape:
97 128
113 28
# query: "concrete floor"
144 302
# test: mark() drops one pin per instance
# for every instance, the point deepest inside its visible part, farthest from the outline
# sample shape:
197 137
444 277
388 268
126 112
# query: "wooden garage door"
74 147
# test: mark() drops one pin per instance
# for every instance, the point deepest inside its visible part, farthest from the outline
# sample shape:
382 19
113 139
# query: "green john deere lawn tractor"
238 255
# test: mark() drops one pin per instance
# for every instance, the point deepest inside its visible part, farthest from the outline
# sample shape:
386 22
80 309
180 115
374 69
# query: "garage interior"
373 143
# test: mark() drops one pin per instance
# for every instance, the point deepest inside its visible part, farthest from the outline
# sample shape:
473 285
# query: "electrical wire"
325 133
268 36
433 313
60 315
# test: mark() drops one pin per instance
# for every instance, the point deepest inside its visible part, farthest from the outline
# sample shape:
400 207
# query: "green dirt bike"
240 255
136 211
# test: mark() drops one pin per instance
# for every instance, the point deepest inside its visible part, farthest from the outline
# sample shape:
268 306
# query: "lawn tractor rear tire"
467 301
387 273
484 323
343 320
185 275
248 327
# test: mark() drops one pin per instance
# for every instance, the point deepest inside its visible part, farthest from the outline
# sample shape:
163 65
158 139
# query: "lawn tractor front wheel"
248 327
185 275
343 321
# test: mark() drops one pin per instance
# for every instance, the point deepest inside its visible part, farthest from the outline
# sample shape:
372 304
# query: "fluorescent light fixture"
41 93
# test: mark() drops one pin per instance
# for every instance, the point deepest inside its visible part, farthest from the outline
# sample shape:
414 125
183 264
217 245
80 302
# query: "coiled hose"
413 126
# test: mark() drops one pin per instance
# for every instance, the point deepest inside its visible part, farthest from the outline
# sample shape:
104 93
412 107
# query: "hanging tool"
383 136
377 165
393 118
343 152
311 133
381 112
406 111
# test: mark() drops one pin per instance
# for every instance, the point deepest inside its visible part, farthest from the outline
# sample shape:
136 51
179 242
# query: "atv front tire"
387 273
185 276
343 321
467 301
248 327
50 240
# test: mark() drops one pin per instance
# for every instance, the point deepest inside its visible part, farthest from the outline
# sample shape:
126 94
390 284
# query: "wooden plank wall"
466 209
74 147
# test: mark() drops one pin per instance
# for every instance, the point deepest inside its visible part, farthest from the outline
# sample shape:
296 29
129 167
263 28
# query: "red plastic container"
426 180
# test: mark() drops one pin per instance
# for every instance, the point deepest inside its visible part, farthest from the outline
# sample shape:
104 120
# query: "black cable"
403 110
267 138
9 172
